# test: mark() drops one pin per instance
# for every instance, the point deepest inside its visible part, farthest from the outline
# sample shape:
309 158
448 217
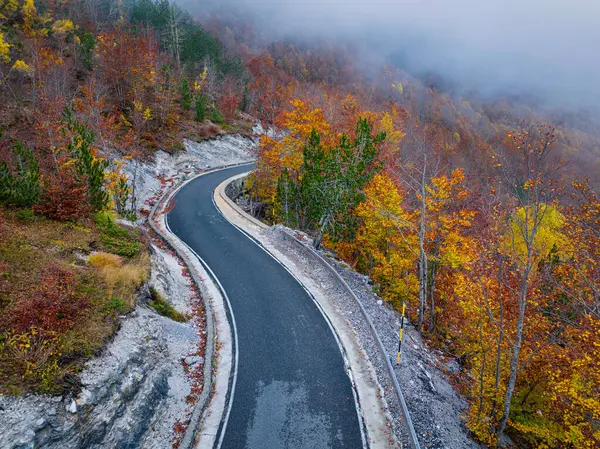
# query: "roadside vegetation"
60 298
162 307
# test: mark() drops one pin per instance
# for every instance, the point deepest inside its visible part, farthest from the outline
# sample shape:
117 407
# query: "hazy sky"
549 47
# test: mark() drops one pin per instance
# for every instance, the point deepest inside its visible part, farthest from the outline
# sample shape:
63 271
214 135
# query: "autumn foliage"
53 306
460 206
505 279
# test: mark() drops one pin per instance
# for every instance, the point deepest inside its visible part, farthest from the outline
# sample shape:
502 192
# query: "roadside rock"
192 360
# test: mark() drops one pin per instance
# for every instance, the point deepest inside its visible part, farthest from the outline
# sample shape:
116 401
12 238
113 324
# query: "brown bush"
64 199
228 105
54 304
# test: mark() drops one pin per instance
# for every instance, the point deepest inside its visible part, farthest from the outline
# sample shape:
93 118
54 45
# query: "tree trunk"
422 284
318 240
422 256
498 362
432 298
482 371
514 363
286 207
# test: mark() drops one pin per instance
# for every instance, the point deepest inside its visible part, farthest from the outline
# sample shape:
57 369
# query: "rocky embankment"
135 393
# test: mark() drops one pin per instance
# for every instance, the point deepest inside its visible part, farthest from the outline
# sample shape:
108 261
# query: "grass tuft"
116 238
162 307
122 279
102 260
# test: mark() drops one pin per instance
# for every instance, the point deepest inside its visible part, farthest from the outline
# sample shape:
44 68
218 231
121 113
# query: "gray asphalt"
292 390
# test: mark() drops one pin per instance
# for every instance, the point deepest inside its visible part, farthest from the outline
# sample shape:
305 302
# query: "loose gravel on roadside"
434 406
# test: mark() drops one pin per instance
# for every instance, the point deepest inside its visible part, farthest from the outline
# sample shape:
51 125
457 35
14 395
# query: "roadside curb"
155 220
234 206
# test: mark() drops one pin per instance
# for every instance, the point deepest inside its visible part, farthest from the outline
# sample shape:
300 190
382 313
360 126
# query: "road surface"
291 390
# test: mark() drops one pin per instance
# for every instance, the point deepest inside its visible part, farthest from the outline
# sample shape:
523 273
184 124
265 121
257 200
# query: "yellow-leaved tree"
385 246
286 152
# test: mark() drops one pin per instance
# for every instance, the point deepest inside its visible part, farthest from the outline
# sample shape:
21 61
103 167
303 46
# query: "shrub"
21 187
162 307
64 198
216 117
115 306
25 214
185 95
201 108
31 355
228 105
124 199
53 305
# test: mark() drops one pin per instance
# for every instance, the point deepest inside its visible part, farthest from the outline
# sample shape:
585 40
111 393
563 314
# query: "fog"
548 48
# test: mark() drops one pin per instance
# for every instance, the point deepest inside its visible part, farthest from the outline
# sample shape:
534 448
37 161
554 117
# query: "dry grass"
101 260
122 278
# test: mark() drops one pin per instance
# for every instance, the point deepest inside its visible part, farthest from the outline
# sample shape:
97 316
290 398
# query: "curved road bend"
292 390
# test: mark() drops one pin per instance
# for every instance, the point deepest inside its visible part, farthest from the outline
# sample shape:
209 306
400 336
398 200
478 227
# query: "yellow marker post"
400 335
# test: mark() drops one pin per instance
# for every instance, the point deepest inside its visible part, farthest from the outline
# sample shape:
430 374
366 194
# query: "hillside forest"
480 214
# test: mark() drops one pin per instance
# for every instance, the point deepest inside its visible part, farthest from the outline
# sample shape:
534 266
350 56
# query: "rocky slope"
135 391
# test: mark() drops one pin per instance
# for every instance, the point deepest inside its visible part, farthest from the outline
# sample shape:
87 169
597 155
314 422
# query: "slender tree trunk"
432 297
514 363
531 388
319 237
498 362
422 283
423 268
322 225
482 371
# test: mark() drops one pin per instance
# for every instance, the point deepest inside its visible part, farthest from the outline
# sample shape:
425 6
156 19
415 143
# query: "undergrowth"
116 238
162 307
56 309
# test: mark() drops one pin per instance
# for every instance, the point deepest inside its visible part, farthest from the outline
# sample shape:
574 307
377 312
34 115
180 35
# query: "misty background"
544 48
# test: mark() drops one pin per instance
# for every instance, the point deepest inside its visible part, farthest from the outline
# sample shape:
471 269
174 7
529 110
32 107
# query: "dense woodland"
480 214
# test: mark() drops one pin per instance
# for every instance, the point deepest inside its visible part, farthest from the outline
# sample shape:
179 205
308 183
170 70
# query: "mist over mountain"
547 49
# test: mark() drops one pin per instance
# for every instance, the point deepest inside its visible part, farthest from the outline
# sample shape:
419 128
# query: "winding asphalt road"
291 390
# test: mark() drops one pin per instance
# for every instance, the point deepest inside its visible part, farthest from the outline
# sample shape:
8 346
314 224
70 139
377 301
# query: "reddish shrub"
53 306
207 131
65 199
228 106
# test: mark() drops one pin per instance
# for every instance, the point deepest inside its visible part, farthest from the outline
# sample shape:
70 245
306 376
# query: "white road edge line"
327 320
235 334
